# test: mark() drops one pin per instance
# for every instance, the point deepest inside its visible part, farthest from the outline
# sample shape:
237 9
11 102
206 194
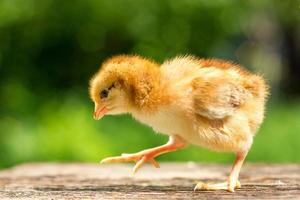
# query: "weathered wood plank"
171 181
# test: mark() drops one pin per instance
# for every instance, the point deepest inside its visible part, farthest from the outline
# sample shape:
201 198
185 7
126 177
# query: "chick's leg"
232 181
148 155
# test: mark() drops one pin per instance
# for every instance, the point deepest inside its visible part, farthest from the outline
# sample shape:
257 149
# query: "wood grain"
171 181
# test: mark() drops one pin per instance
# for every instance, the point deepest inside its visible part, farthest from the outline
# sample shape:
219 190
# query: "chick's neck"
148 93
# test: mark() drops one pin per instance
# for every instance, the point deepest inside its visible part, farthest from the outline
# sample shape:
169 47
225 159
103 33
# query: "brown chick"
211 103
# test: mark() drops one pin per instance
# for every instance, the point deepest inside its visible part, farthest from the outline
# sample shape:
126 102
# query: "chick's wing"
217 97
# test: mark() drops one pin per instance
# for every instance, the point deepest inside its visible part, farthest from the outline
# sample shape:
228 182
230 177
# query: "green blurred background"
49 49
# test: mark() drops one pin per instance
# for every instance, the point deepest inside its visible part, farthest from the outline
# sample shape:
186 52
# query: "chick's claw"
154 163
117 159
139 158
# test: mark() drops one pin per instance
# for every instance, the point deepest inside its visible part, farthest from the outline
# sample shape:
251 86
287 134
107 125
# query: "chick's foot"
140 158
218 186
232 182
147 155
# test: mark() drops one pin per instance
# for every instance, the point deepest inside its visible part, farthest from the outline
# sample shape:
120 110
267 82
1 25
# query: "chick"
206 102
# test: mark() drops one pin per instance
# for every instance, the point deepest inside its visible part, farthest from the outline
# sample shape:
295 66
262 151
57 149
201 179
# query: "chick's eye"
103 94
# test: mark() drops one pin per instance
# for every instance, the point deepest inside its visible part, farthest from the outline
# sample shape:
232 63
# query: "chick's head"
108 94
118 84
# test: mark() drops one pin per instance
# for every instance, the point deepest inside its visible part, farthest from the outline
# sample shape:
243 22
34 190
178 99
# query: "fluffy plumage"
212 103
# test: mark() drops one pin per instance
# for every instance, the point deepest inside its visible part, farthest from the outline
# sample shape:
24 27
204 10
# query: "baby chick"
207 102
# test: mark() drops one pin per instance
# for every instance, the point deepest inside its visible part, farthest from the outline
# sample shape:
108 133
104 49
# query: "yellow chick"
207 102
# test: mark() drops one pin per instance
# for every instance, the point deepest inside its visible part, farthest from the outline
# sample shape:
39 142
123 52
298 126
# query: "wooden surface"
171 181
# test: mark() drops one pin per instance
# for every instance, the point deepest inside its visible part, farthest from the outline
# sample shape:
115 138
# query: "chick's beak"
100 111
